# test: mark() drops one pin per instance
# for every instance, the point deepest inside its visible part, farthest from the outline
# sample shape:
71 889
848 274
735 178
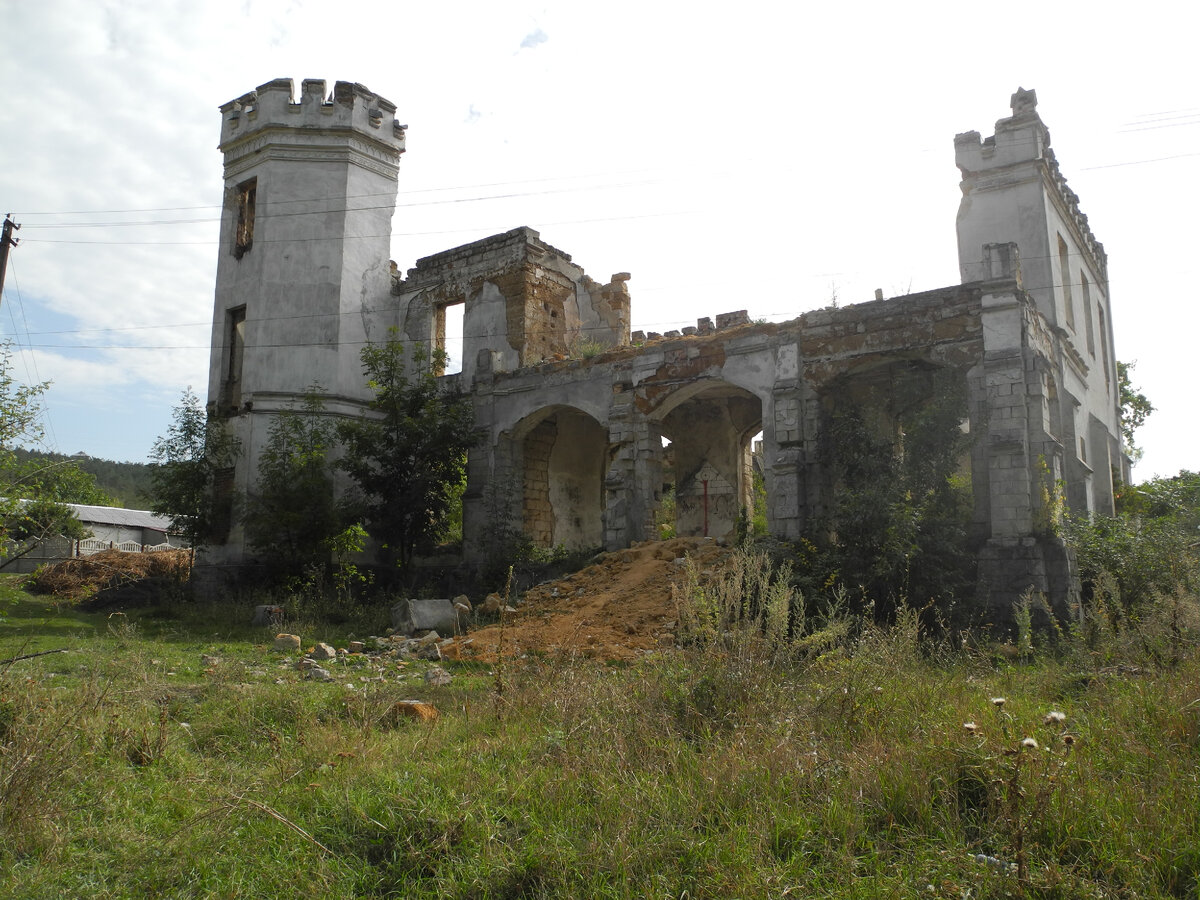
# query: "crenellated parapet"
1070 200
272 113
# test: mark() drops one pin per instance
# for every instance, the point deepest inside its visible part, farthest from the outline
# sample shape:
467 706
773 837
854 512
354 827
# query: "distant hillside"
128 483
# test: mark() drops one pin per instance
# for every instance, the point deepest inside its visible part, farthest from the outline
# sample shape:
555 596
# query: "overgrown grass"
743 766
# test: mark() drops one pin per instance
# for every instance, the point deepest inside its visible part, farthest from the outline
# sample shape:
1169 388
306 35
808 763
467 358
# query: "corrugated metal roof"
112 515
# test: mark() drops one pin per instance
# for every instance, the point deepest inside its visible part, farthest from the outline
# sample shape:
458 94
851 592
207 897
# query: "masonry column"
634 476
783 448
1021 553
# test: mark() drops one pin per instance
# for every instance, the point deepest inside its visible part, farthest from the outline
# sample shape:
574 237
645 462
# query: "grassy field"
174 754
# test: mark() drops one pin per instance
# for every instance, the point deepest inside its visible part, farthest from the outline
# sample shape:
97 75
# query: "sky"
763 156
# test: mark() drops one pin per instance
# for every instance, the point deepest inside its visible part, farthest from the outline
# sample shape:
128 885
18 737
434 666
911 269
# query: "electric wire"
31 358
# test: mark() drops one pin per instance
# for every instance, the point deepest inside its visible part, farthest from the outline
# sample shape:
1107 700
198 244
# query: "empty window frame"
1064 275
243 236
1104 349
1087 312
235 348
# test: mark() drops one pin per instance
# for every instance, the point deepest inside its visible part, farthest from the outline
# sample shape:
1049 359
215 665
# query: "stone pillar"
633 482
784 456
1022 553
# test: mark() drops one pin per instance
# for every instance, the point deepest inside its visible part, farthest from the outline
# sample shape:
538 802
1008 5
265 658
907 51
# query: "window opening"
1065 278
448 336
235 342
244 235
1087 311
1104 349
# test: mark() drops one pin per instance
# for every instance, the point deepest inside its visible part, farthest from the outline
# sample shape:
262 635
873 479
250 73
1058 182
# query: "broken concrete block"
410 616
323 651
287 643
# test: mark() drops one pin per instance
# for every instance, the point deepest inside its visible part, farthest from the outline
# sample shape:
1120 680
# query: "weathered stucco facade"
575 411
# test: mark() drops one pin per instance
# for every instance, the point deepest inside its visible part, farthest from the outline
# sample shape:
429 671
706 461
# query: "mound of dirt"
99 575
617 608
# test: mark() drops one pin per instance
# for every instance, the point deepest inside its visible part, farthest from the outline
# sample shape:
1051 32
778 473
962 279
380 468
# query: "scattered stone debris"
316 673
438 677
412 616
323 651
287 643
492 604
356 647
209 661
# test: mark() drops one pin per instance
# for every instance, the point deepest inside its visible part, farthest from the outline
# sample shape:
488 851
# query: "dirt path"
617 608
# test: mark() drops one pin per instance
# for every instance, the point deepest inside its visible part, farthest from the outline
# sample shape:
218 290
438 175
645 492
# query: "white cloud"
535 37
725 162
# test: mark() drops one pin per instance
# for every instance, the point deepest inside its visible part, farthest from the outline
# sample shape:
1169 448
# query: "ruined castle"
304 279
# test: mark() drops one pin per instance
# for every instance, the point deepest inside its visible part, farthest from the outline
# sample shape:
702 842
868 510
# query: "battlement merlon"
350 107
1021 139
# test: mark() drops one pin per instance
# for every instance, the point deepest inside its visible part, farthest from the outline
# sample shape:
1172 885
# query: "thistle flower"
1055 718
1029 743
998 702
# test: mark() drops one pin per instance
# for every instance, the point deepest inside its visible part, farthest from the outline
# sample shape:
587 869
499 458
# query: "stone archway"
710 425
564 458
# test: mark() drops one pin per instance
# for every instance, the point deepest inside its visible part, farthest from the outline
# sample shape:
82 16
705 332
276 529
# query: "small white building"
112 528
123 526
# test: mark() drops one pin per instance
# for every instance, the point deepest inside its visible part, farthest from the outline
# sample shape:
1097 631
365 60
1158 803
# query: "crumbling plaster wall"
711 392
525 302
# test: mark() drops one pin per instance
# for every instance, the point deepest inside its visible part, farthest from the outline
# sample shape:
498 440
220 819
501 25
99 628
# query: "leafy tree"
119 483
292 517
34 493
1151 547
1134 408
409 453
187 460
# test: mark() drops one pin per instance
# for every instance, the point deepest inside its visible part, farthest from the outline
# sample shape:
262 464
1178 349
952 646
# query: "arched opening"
711 427
564 461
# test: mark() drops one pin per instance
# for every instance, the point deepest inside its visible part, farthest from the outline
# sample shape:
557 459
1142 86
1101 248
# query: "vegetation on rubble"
895 529
1146 552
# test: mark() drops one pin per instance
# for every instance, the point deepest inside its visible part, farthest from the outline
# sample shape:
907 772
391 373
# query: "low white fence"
88 546
24 560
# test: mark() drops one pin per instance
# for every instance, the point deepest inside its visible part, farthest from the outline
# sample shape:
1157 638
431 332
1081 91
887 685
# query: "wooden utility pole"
6 241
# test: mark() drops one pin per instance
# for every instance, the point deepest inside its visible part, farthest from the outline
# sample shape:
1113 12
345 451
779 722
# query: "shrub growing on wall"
899 502
292 517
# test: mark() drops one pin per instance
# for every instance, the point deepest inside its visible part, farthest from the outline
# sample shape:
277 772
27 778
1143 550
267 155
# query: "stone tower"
1014 194
303 278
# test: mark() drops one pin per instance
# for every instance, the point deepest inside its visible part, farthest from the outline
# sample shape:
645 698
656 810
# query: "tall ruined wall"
525 301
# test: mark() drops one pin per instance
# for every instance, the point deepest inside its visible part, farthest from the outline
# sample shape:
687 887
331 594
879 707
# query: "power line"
88 212
356 237
266 214
43 407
